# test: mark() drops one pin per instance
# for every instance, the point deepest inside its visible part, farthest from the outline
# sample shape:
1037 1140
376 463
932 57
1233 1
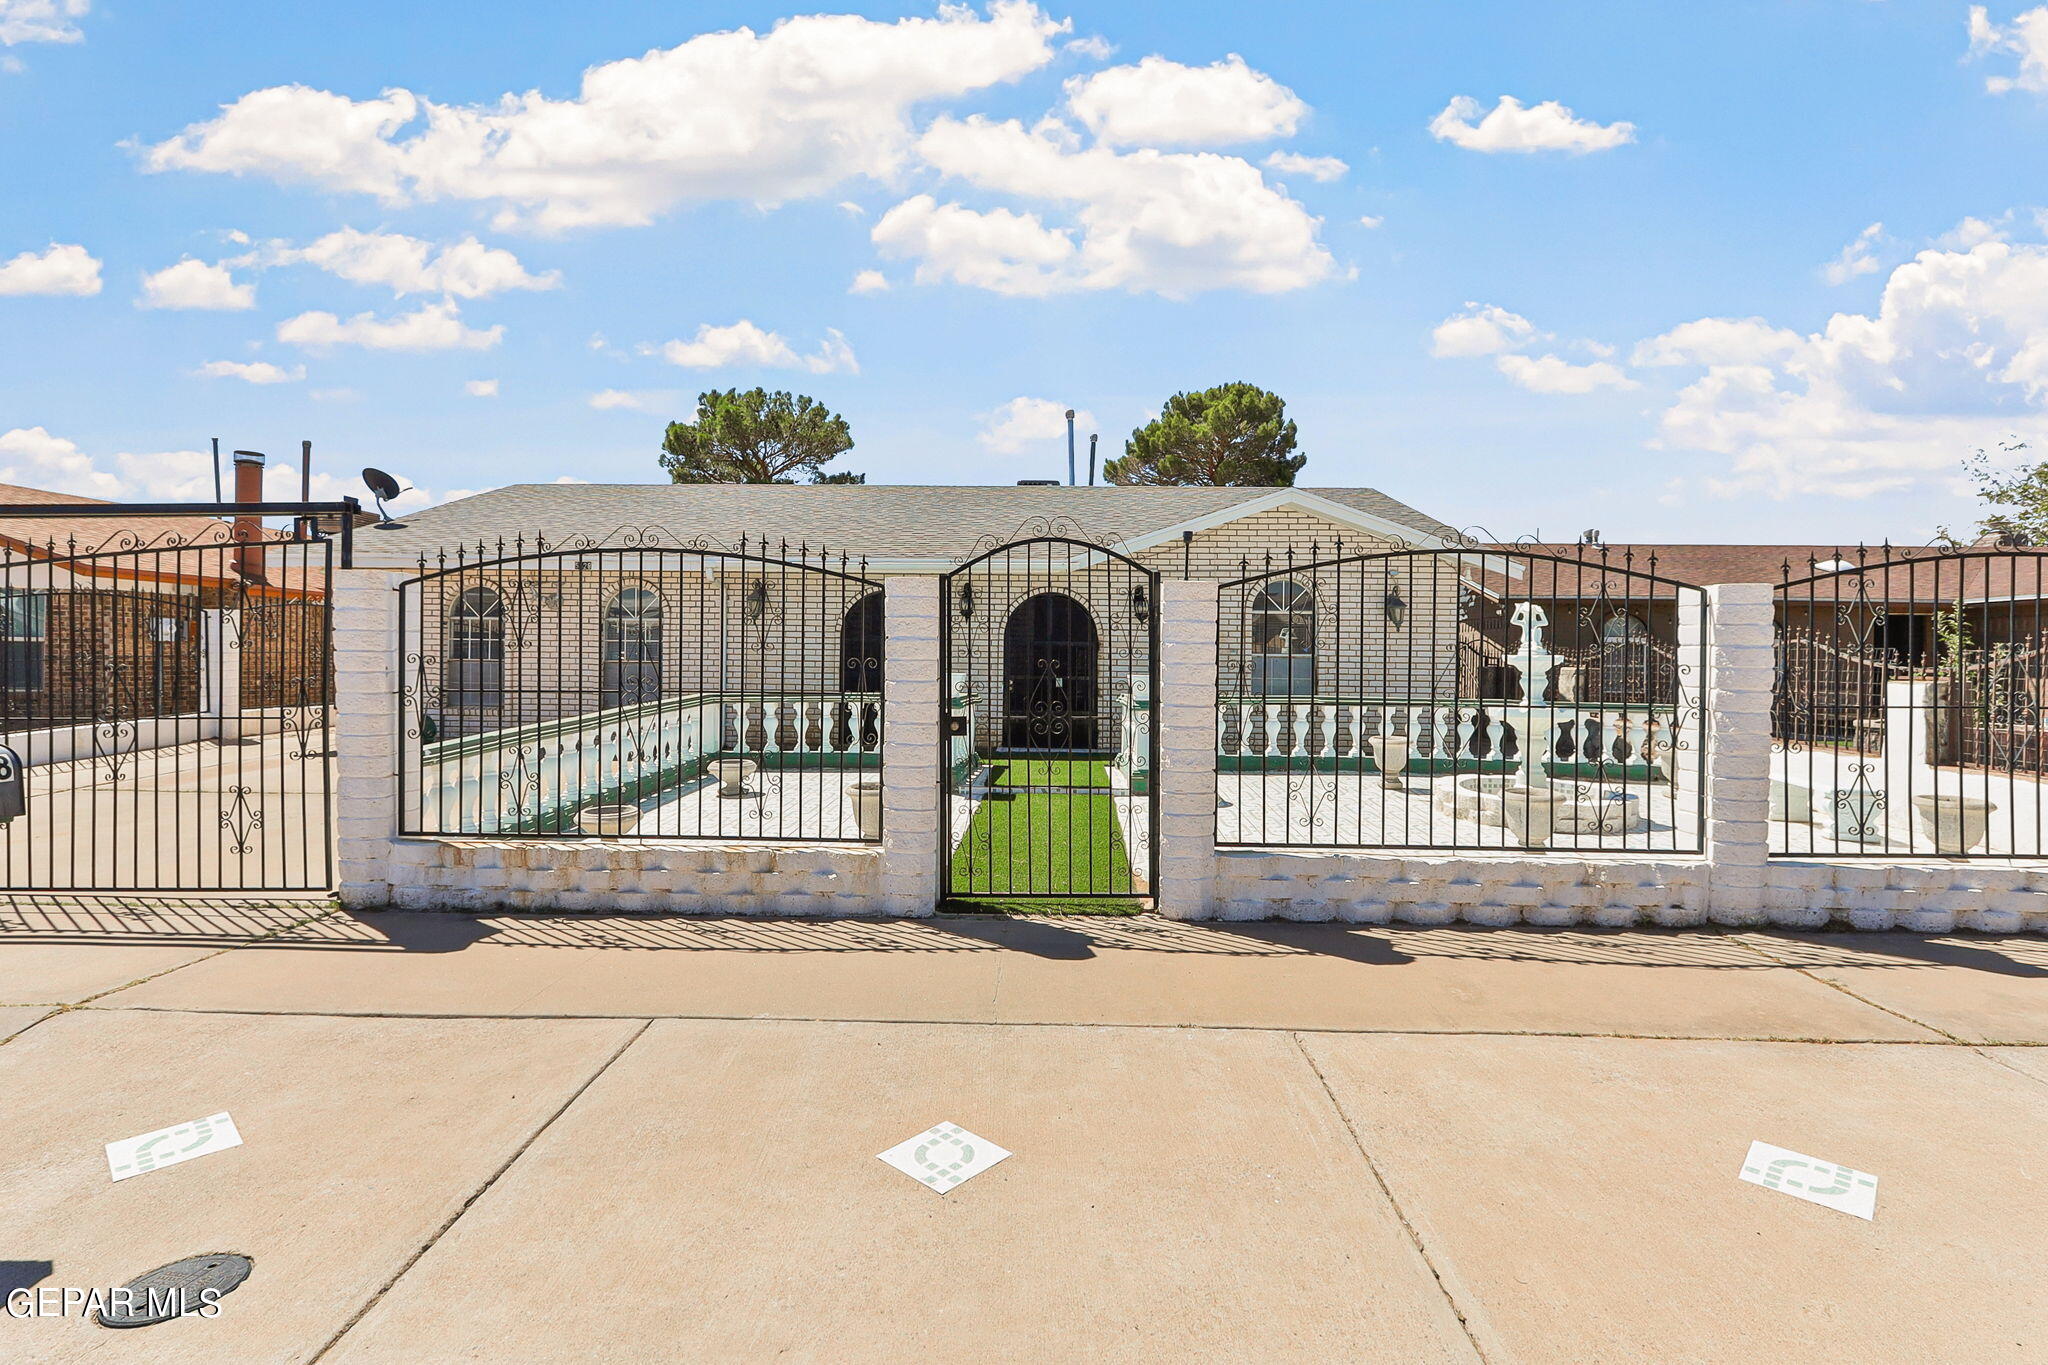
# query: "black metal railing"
165 678
639 686
1460 699
1907 706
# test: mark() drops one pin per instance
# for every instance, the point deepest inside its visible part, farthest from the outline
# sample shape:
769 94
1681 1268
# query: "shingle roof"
881 521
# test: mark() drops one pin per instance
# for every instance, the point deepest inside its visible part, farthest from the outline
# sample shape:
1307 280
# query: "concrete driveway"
529 1138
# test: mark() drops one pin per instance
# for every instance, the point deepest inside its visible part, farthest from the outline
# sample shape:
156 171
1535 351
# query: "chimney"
248 532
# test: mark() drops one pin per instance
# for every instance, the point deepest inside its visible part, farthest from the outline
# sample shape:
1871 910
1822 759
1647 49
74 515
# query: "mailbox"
12 800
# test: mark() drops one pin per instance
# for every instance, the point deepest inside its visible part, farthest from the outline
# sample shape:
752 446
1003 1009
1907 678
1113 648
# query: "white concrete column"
1185 766
1736 795
220 653
911 818
365 729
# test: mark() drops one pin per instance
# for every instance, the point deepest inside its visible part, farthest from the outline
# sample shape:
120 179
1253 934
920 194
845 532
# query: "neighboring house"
105 618
496 636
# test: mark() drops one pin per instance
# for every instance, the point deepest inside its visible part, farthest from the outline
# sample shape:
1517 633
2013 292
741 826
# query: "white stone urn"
1530 813
1956 823
607 819
1391 753
867 809
732 774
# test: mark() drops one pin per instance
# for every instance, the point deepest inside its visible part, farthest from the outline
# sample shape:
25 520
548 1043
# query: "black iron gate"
1050 649
167 683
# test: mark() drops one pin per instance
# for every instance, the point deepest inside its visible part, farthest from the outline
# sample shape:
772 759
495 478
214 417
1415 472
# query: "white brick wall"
1186 766
1733 882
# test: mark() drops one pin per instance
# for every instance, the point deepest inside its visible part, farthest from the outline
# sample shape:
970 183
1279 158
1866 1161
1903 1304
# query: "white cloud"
33 458
869 282
481 388
2026 38
1971 231
1482 329
765 118
253 372
1515 127
743 343
1717 341
59 270
1371 220
194 284
406 265
1023 422
1160 103
641 400
433 327
41 21
851 209
1956 350
1553 374
1094 46
1322 169
1857 258
1171 223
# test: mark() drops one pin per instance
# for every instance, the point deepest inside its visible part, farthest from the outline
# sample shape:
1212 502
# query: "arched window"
631 648
1622 629
1283 640
476 650
860 646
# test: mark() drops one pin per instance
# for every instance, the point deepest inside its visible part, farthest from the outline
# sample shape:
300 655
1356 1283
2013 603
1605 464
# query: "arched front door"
1050 687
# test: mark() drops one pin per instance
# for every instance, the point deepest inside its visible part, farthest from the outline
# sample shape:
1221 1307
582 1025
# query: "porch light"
757 600
1141 603
967 601
1397 609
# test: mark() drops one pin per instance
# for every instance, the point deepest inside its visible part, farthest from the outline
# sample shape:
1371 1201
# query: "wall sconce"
967 601
757 601
1396 608
1141 604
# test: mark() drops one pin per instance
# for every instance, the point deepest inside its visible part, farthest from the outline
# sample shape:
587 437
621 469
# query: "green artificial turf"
1048 772
1042 844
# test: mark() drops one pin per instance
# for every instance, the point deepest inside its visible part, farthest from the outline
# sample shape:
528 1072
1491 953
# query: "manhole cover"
172 1290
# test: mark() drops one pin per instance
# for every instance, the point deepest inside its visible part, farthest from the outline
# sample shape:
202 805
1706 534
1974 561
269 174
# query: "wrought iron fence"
169 741
638 686
1460 699
1908 703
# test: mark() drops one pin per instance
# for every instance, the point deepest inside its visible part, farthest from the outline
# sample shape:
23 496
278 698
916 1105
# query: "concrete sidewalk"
654 1139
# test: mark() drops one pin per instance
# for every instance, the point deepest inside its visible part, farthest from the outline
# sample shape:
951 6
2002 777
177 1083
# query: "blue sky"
1738 271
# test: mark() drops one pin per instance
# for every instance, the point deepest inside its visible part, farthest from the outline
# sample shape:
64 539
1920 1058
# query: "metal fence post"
1736 790
365 732
910 745
1186 763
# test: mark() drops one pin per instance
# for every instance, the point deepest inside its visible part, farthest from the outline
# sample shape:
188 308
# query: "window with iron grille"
476 650
630 650
1283 655
24 631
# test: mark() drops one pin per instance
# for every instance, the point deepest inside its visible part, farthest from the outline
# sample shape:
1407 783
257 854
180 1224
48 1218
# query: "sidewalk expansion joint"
1387 1192
1743 942
480 1191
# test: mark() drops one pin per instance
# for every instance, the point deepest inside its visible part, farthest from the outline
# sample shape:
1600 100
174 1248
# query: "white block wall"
1733 882
1185 767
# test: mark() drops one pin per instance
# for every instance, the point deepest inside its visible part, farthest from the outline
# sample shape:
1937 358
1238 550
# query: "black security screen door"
1049 683
1050 648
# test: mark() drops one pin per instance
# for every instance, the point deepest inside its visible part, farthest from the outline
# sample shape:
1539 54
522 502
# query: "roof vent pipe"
1092 437
1070 447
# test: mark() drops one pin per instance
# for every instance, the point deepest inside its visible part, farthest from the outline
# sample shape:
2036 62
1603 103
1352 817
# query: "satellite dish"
384 489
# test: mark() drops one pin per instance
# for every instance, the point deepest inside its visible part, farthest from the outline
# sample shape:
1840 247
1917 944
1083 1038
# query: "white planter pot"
606 820
1790 803
1956 824
1390 752
867 809
732 774
1530 813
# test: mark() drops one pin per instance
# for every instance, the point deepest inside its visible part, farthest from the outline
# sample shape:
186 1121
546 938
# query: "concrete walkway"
525 1139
